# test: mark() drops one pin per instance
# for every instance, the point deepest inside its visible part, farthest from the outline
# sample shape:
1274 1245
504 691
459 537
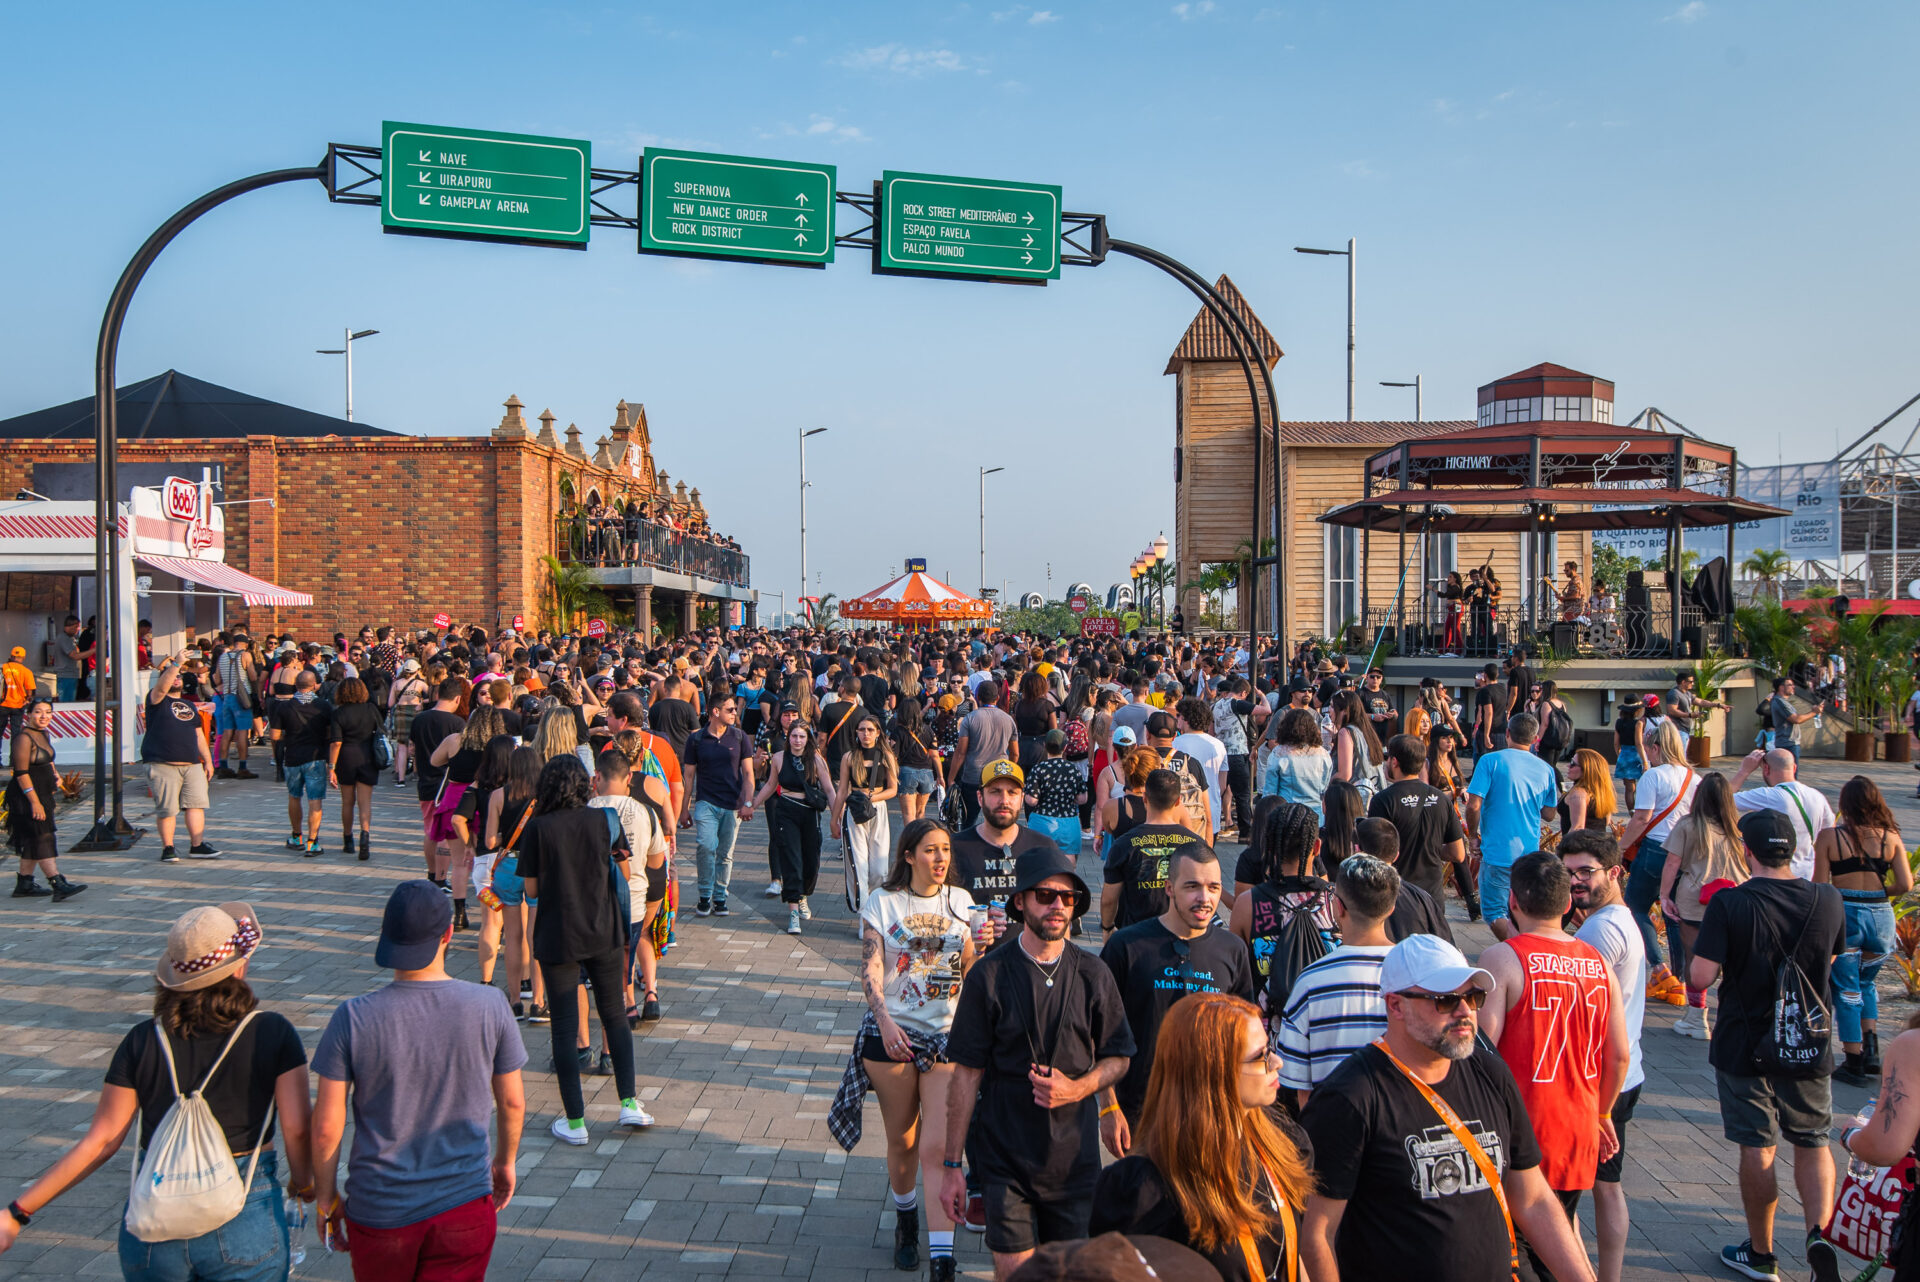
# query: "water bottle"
296 1232
1859 1168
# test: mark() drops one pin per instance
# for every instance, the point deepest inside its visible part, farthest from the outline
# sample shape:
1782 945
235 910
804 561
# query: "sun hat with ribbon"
205 945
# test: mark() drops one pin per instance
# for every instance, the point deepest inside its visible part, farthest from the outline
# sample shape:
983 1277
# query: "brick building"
384 527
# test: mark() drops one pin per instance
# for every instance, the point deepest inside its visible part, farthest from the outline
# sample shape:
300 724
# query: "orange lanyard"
1255 1269
1467 1142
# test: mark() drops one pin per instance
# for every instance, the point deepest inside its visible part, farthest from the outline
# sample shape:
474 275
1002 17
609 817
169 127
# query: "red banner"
1865 1210
1078 603
596 627
1102 627
443 620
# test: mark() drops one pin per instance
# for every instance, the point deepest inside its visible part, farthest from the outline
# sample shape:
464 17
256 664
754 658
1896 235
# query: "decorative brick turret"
546 436
512 427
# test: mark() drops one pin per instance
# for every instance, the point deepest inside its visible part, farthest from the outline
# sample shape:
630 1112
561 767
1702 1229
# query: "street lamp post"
1419 394
346 350
1352 254
804 434
985 472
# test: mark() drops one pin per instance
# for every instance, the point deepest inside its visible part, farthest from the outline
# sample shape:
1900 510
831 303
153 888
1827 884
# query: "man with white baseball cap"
1427 1162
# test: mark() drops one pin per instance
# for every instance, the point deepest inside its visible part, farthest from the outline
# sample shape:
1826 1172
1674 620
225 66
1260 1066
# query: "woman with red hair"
1210 1168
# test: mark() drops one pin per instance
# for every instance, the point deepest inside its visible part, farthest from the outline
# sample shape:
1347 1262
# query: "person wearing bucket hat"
252 1070
1039 1032
422 1182
1411 1133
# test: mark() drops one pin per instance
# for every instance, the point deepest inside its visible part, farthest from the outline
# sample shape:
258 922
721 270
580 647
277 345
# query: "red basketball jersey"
1552 1041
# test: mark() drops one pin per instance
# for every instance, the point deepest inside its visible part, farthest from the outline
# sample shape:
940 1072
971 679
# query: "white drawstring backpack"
189 1184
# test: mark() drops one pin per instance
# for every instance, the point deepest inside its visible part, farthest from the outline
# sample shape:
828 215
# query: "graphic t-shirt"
1749 929
1140 862
173 731
1055 783
922 939
985 870
1211 754
1154 969
1194 791
1417 1205
1427 823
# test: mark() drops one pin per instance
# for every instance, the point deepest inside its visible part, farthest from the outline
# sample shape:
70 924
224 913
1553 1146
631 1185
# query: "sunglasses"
1449 1003
1047 897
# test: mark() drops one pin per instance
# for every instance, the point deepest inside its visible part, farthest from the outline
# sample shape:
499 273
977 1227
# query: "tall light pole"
347 351
985 472
804 434
1419 394
1352 254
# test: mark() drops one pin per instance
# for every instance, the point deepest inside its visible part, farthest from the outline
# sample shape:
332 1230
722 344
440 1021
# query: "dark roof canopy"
1498 510
176 406
1570 453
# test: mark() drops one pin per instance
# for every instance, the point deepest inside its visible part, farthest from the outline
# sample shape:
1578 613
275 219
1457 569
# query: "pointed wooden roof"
1206 339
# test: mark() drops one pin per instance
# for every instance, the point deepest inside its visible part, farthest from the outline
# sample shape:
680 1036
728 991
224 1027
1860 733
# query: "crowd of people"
1293 1070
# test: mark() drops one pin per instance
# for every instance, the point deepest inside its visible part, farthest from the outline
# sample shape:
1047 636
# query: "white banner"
1809 491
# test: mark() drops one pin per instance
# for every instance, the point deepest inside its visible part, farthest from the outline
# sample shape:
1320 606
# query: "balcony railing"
1642 630
581 542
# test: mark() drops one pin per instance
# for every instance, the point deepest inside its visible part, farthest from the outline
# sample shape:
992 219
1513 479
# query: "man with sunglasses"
1555 1015
1158 961
1403 1187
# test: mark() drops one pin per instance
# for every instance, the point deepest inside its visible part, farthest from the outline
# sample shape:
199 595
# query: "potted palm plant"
1861 643
1710 675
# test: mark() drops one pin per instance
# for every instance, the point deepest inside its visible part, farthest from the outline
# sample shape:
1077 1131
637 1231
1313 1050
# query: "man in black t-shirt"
1158 961
429 730
179 763
1431 837
1038 1034
1140 861
1380 709
1749 930
300 725
1519 684
986 855
1400 1196
1485 734
1415 912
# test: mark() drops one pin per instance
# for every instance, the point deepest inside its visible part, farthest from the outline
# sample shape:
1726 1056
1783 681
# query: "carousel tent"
916 600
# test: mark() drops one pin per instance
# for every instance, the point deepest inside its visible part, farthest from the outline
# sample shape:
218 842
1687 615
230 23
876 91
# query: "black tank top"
1133 813
793 773
1859 860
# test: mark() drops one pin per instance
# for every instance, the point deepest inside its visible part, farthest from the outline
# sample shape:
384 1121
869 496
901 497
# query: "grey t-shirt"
1682 704
1134 717
989 734
1784 730
422 1056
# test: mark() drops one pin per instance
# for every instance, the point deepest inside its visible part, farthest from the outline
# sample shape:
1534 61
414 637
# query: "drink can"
977 922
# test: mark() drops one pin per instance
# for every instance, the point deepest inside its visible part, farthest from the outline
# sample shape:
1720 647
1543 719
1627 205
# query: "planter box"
1899 745
1860 745
1700 751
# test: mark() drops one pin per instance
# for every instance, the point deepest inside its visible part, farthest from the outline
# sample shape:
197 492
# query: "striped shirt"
1335 1009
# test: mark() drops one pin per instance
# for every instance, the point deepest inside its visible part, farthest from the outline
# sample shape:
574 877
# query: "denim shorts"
1495 883
230 714
309 781
508 884
913 779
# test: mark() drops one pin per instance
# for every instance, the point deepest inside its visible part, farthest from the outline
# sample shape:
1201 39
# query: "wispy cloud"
1021 13
901 60
1041 17
1454 111
1188 10
1691 11
818 126
1359 169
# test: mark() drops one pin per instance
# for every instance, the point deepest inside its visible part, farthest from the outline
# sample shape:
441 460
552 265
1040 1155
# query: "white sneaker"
806 913
793 920
574 1133
773 890
632 1115
1693 1023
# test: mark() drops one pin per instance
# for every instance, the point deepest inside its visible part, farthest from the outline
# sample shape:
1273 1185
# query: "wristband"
950 1165
20 1217
1111 1108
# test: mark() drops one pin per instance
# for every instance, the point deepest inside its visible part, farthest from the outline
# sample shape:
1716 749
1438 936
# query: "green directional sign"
472 182
770 211
968 227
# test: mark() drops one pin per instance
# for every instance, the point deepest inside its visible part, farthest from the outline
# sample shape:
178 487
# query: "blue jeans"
66 689
1642 892
1869 940
251 1247
714 830
1495 885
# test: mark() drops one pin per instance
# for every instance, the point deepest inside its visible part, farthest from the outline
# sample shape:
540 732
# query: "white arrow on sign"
800 219
1027 257
801 198
426 157
1029 217
425 198
425 177
799 238
1027 239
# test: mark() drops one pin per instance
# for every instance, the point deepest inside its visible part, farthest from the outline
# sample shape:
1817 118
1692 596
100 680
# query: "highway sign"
770 211
476 183
936 225
1104 626
1078 604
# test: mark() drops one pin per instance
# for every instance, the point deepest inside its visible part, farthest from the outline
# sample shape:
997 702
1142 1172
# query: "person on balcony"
1451 593
1480 608
1573 596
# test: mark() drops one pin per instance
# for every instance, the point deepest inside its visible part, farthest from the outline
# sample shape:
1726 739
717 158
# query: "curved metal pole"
1244 341
106 833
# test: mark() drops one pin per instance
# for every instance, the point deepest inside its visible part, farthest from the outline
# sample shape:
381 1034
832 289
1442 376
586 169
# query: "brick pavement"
740 1178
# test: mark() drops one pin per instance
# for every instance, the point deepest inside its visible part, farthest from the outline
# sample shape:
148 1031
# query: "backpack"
1557 734
1797 1041
189 1184
1296 945
1077 740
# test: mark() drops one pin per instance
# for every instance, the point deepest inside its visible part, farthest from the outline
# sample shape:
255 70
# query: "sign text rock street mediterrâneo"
776 211
473 182
969 227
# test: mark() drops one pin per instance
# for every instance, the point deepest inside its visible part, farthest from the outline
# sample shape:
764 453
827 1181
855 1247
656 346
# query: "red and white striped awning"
221 576
46 527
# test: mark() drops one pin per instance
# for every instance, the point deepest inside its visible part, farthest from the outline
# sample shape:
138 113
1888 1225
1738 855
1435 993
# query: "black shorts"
1019 1220
871 1047
657 884
1609 1172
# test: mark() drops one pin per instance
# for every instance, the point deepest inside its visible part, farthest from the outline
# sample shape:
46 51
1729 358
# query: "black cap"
418 914
1161 725
1035 866
1769 835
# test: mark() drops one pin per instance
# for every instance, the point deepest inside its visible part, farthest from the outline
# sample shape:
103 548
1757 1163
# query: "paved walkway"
740 1178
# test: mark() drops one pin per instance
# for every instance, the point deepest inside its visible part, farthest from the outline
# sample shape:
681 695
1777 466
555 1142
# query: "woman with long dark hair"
1452 593
1863 858
355 724
913 748
206 1033
796 819
453 815
1703 853
1344 809
1211 1168
916 948
488 781
1034 713
871 771
30 801
509 807
1357 755
565 854
1299 768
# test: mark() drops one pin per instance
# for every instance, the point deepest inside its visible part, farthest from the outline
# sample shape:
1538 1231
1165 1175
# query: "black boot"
64 889
346 841
1870 1051
460 915
1853 1071
940 1269
25 887
366 846
906 1239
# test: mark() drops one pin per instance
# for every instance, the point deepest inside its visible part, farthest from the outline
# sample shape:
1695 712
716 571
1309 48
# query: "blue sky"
1708 202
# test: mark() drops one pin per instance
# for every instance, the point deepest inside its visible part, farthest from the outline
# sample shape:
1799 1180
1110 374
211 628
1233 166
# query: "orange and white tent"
916 600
